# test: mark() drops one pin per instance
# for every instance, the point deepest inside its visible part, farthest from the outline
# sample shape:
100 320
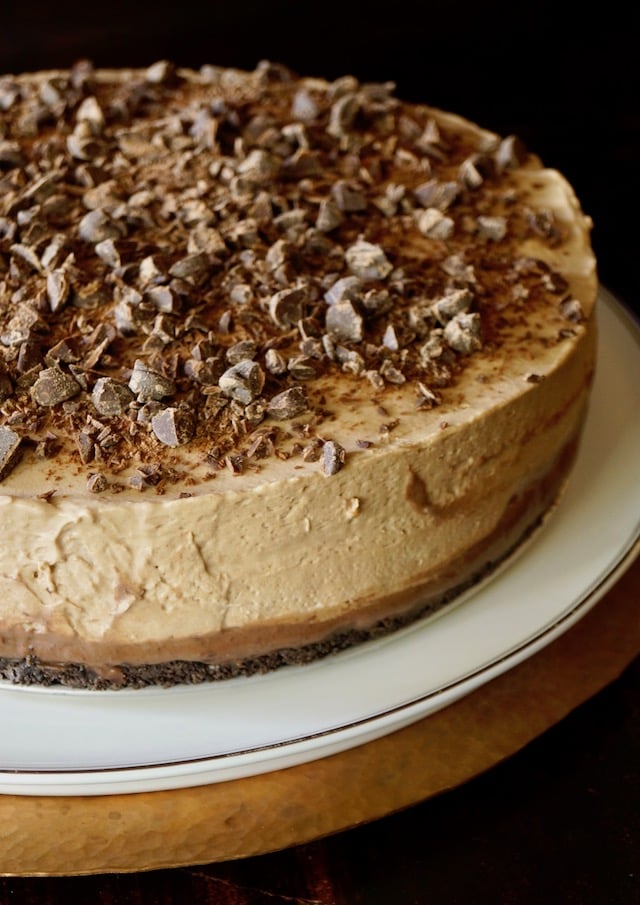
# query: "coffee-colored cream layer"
282 358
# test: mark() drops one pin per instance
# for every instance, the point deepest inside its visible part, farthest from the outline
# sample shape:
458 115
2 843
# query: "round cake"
285 364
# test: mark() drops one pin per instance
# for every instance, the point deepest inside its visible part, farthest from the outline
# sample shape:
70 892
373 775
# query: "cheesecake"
285 364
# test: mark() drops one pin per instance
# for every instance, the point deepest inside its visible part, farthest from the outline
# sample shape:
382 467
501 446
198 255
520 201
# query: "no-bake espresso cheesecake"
284 364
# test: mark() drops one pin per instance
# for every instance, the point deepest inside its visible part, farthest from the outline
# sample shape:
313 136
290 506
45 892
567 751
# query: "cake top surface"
210 279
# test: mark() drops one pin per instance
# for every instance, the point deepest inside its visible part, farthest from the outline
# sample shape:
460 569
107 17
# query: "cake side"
328 356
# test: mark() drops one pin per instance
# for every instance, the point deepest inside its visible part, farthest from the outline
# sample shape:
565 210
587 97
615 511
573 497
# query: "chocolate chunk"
350 360
368 261
344 288
329 216
437 194
242 382
456 266
286 307
302 367
303 106
29 357
148 384
111 397
89 111
469 173
348 196
27 255
343 112
58 289
97 225
240 351
454 302
572 310
259 167
427 398
333 457
303 164
206 372
510 153
434 224
391 373
54 386
194 268
10 155
161 72
6 387
10 450
173 426
82 143
390 339
97 483
344 322
164 298
85 446
463 333
493 228
275 363
288 404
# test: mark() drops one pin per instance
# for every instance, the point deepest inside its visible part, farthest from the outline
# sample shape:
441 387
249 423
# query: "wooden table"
540 803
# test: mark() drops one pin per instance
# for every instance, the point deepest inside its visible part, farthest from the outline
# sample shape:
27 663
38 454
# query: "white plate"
70 742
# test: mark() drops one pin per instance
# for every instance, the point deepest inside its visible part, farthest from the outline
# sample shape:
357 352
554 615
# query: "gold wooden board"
55 836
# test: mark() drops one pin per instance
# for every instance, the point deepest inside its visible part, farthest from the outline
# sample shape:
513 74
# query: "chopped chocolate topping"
178 254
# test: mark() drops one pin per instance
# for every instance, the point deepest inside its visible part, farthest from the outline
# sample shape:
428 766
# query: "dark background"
563 76
558 823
